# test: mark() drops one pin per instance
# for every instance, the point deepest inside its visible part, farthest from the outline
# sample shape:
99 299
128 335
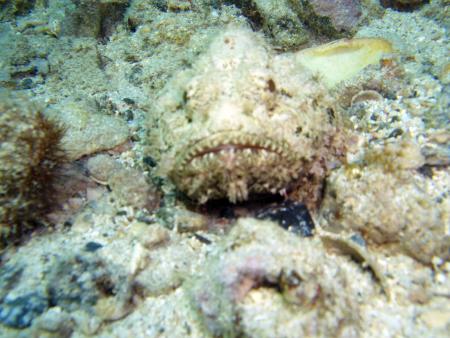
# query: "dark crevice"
403 6
250 11
111 16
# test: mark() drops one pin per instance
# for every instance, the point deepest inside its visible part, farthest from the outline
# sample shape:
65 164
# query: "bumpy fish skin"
248 122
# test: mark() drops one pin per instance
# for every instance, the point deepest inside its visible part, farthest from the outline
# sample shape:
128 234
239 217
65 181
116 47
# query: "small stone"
150 161
179 5
139 259
129 115
395 133
88 324
54 320
358 239
131 187
92 246
444 75
101 167
292 216
128 185
26 84
187 221
419 295
129 101
365 96
150 235
41 66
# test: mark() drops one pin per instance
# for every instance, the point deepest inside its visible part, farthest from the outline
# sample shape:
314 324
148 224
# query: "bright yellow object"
342 59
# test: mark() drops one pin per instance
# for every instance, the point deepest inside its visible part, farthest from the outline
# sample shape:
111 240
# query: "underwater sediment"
174 168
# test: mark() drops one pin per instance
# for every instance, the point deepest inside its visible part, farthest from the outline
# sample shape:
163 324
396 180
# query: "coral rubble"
129 186
296 285
316 171
402 211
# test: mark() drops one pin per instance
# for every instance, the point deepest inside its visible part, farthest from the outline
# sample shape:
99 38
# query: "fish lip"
229 147
232 140
235 165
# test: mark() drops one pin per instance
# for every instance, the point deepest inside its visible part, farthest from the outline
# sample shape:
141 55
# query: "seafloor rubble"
207 175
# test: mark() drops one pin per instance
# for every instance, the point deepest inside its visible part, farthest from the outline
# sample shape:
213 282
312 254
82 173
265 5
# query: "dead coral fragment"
30 158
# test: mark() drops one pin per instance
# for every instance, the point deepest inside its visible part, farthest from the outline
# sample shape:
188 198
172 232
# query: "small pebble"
92 246
129 101
148 160
292 216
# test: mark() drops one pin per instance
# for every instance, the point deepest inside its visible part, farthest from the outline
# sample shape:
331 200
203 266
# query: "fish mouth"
234 165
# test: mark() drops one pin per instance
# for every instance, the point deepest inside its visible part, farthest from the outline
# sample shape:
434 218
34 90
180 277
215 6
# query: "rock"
56 321
128 185
401 209
291 216
88 131
279 22
20 311
329 17
252 286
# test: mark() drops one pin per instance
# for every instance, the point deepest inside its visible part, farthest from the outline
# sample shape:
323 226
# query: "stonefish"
245 120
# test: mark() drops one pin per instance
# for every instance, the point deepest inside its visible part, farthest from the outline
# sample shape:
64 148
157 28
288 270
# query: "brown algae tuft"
30 160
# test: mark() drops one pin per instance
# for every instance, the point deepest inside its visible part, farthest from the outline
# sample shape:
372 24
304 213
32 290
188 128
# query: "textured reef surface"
204 168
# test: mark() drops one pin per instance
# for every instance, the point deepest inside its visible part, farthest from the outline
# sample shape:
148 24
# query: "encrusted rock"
278 21
128 185
88 131
290 23
329 17
19 312
403 210
252 286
